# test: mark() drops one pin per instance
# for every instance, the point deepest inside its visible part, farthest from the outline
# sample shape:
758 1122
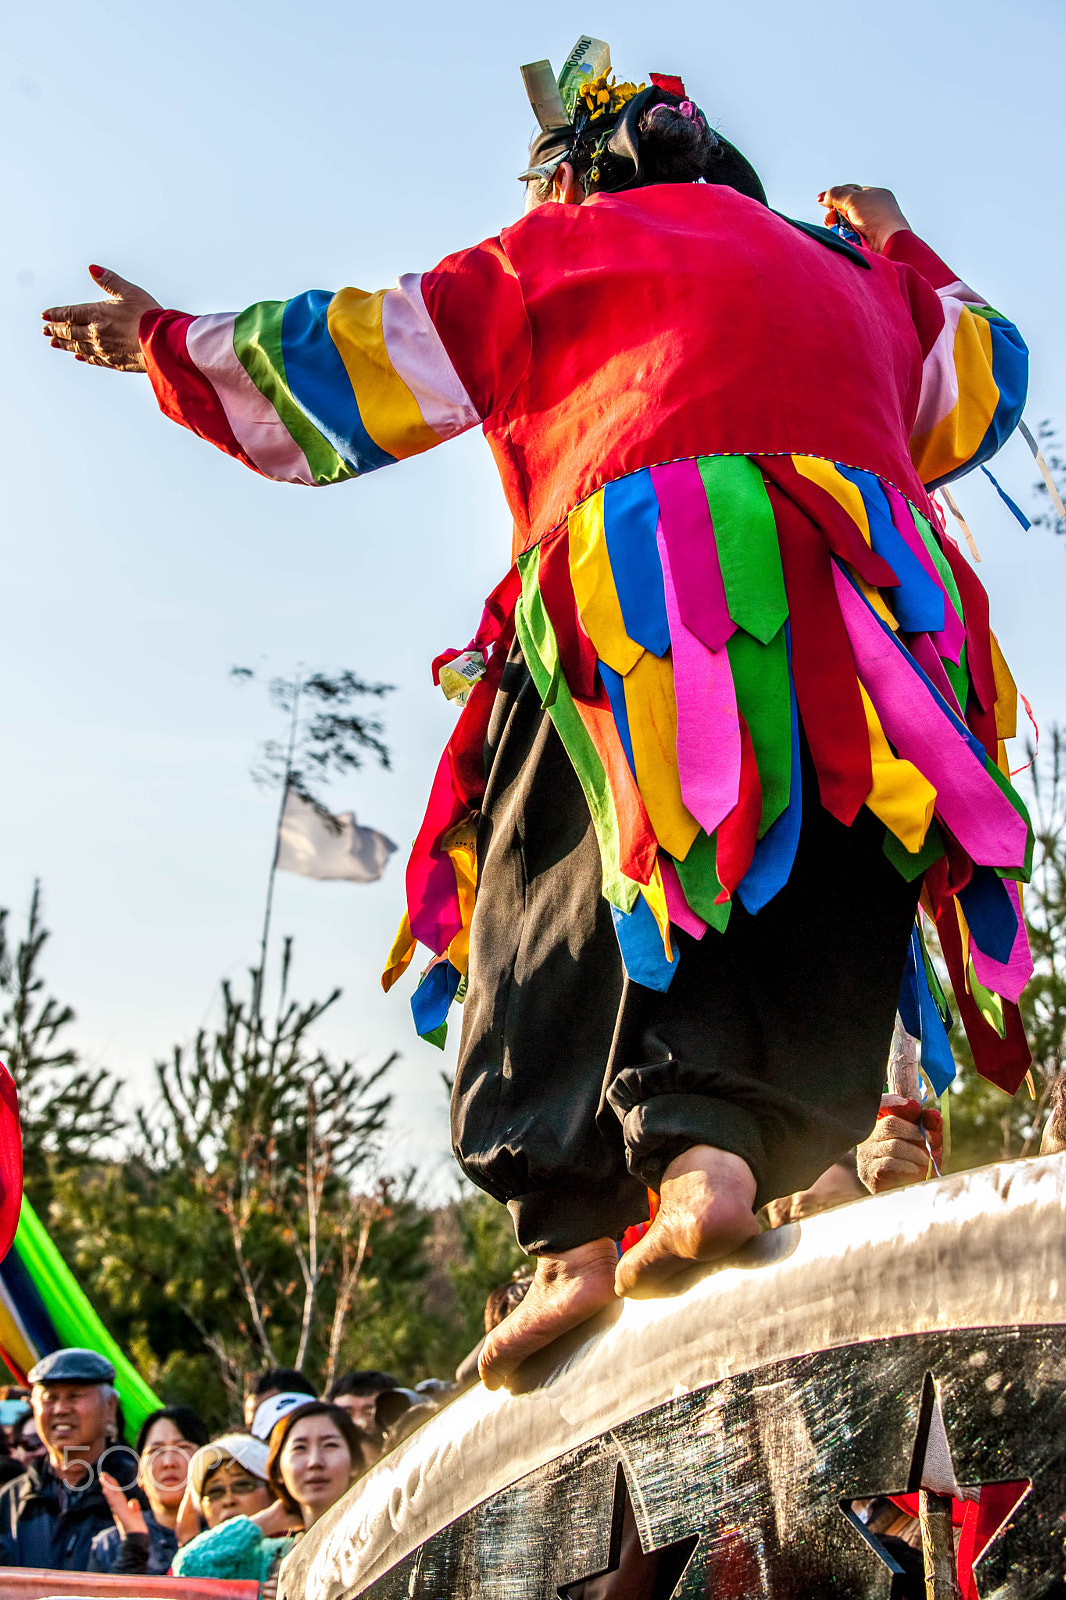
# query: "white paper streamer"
1045 472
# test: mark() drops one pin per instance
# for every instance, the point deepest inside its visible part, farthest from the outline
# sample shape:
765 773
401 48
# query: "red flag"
10 1161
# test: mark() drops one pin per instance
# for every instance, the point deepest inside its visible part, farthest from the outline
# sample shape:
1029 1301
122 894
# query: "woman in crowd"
144 1537
227 1479
316 1453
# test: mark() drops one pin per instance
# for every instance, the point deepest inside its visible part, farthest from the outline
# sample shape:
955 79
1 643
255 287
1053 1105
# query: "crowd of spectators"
75 1497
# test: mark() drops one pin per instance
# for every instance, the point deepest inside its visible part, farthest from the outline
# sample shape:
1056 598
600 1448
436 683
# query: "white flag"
307 844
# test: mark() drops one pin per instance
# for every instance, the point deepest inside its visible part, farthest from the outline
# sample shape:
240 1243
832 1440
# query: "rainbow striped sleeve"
327 386
974 373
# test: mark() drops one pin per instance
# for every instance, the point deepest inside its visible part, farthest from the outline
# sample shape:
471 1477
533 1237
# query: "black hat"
73 1366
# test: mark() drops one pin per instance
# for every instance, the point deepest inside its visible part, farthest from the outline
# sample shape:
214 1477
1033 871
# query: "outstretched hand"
129 1518
104 332
874 213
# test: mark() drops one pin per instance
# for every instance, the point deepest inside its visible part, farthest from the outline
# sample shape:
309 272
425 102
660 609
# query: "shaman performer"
734 706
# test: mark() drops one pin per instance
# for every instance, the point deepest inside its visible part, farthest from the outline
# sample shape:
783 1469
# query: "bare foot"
568 1289
705 1211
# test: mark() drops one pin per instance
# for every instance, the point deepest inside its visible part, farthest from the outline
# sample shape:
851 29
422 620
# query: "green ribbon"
698 874
936 988
925 533
75 1322
536 636
748 550
988 1004
760 677
914 866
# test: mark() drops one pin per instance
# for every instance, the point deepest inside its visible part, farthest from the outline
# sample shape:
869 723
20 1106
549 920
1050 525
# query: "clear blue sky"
226 153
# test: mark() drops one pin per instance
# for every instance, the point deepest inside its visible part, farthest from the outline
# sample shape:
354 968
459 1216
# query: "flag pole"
261 975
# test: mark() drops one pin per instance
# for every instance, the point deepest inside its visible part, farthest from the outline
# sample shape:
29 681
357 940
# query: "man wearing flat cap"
50 1515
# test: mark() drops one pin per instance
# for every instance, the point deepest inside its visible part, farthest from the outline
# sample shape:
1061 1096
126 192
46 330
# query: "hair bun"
676 141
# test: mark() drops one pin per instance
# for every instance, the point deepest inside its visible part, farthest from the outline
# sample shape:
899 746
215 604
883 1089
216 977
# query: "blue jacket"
43 1525
150 1554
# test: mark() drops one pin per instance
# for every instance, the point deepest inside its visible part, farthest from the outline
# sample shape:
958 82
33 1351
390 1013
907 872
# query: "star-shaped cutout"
632 1573
977 1512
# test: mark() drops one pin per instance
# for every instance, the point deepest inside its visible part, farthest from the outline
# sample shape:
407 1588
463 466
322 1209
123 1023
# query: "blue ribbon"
641 944
1007 501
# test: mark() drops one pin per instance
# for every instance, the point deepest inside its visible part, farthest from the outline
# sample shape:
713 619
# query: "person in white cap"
275 1380
272 1409
227 1479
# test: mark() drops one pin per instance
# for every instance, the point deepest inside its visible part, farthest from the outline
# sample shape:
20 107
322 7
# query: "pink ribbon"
689 532
972 806
1007 979
681 913
924 652
708 727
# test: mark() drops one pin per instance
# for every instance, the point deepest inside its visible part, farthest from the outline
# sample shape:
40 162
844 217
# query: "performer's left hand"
103 333
874 213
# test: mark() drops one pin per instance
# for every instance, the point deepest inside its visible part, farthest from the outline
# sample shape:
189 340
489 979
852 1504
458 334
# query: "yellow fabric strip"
1006 693
652 711
594 590
13 1338
403 948
655 895
900 796
465 864
388 409
876 599
955 438
844 492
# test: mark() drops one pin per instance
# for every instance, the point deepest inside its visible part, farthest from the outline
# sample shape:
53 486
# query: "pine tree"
331 741
283 1144
67 1109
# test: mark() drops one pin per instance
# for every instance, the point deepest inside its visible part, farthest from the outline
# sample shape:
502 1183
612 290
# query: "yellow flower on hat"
602 96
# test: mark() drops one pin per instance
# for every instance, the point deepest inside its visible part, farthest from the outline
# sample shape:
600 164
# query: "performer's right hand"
103 333
874 213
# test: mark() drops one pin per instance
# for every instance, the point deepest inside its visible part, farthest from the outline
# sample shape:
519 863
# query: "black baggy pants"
576 1088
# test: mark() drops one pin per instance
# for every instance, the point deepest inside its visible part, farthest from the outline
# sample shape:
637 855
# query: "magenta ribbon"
923 732
708 726
686 524
432 895
680 912
925 653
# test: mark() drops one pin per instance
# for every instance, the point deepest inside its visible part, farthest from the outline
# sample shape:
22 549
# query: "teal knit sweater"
235 1549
